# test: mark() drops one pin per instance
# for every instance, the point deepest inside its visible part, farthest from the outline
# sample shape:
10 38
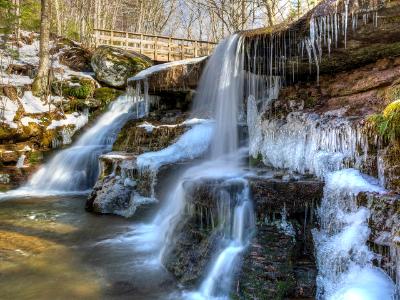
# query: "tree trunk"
58 17
17 14
39 85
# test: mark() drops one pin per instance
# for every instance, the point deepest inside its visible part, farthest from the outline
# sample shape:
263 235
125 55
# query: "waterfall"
220 96
237 228
76 168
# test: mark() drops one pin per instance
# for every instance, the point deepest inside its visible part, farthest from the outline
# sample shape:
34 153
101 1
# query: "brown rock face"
389 161
359 92
176 78
280 262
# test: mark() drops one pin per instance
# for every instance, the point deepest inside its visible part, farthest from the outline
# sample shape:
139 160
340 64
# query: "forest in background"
209 20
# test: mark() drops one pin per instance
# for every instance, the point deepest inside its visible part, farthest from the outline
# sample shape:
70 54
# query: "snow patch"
76 119
8 110
26 120
157 68
192 144
150 127
34 105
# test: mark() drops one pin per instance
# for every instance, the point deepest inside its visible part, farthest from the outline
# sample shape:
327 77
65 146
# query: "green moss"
106 95
256 161
80 92
387 124
35 157
284 288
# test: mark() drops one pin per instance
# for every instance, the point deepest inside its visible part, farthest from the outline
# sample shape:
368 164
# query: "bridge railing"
157 48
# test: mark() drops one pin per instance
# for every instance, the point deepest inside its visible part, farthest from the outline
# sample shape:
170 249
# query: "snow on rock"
192 144
34 105
17 80
26 120
157 68
76 119
30 53
150 127
8 110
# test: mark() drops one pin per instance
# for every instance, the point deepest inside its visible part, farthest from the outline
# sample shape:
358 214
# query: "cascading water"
75 169
344 261
220 95
237 227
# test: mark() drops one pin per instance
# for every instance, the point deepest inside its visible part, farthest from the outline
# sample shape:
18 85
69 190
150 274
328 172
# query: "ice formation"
345 269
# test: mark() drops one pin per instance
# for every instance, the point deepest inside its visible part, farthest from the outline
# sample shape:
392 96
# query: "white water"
75 169
344 260
21 161
238 228
220 95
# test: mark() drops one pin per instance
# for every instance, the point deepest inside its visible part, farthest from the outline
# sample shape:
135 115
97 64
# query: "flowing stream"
75 169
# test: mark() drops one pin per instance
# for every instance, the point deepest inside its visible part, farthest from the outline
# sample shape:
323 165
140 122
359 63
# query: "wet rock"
384 222
280 261
389 164
114 66
136 139
177 78
197 237
121 189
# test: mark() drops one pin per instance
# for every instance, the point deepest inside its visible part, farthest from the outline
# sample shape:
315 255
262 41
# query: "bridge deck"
157 48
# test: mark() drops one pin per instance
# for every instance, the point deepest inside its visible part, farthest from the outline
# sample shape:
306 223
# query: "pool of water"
51 248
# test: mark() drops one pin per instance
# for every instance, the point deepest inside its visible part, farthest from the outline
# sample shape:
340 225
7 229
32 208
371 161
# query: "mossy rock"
387 124
35 157
114 66
76 87
6 133
106 94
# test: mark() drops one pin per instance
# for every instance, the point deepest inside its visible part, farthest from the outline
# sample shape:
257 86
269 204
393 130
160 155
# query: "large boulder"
77 58
114 66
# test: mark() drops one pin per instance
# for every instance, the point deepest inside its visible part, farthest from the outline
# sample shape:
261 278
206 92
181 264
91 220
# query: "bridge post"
126 40
195 49
155 48
96 38
141 44
169 49
182 49
111 38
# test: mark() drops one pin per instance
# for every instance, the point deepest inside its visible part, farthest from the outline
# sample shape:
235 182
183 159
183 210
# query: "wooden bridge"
157 48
